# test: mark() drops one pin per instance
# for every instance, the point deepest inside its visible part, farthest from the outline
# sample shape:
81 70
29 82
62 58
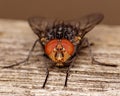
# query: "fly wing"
89 22
39 25
85 24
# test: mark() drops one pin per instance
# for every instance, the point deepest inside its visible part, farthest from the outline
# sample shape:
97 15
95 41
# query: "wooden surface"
16 38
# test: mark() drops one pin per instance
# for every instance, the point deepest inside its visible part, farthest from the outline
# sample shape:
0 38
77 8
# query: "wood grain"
86 79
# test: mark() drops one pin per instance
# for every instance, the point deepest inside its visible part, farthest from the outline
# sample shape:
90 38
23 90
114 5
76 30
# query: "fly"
61 40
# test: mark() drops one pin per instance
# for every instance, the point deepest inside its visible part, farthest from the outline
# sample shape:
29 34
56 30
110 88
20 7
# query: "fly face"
61 39
59 50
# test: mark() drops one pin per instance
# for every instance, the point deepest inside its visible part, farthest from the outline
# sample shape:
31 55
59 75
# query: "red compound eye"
50 46
67 45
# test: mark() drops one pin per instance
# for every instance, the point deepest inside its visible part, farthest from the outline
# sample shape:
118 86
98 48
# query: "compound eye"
63 46
68 46
50 46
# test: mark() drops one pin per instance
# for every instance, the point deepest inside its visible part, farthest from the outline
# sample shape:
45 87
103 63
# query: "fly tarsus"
66 79
103 64
16 64
46 78
26 60
85 40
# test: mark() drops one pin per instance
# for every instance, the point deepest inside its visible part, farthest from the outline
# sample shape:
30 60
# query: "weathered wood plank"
16 38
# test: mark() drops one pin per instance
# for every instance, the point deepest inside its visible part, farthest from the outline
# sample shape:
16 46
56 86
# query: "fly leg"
67 74
68 69
86 46
47 75
85 40
27 59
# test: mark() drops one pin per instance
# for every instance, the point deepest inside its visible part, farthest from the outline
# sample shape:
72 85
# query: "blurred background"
66 9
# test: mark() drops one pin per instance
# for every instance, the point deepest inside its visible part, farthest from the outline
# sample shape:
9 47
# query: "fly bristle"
60 30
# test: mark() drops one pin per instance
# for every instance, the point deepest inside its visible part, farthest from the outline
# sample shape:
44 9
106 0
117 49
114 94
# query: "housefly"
61 40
